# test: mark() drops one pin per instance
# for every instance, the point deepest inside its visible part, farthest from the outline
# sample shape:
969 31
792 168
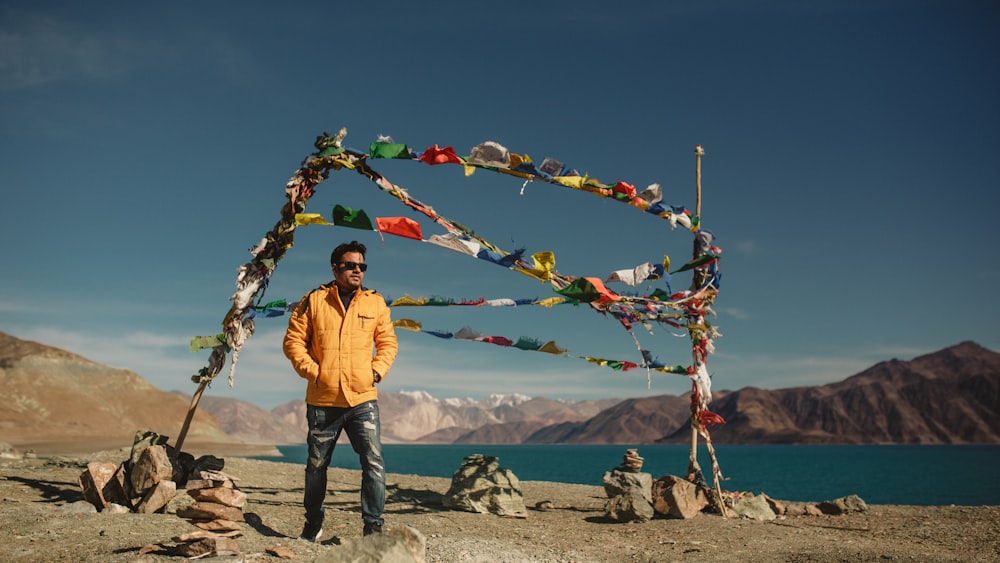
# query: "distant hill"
948 397
416 416
248 422
50 395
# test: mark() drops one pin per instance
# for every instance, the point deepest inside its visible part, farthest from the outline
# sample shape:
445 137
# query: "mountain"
416 416
50 395
247 422
947 397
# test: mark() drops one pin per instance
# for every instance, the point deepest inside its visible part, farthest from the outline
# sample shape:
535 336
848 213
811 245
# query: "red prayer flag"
437 155
399 226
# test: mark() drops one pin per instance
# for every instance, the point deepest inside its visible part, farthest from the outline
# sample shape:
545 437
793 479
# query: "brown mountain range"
51 396
950 397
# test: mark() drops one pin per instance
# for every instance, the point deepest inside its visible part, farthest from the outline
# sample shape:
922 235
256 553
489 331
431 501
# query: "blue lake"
916 475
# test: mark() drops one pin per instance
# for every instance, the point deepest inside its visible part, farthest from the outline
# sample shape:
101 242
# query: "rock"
813 510
630 506
617 482
201 534
178 502
678 498
210 511
630 496
208 546
632 461
116 509
78 507
777 506
843 505
754 508
406 545
218 478
480 485
153 466
143 440
207 463
93 480
157 497
221 495
544 505
217 525
280 552
8 451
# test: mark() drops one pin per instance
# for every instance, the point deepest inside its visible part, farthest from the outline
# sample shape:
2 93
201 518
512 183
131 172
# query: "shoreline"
564 522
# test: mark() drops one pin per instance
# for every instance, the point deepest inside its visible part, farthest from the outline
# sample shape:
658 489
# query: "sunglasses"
349 266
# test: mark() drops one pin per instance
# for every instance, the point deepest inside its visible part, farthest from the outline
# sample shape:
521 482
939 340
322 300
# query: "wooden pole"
190 414
693 466
698 153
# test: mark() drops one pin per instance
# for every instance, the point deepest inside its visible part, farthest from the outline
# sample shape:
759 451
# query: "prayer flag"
353 218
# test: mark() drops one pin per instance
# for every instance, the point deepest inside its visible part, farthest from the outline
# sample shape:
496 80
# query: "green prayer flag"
581 290
389 150
525 343
355 219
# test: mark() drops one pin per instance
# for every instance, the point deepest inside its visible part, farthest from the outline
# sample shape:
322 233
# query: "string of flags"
687 310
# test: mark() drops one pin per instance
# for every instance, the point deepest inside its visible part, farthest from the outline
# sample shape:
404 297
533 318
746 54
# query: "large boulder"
481 485
843 505
754 508
629 506
676 497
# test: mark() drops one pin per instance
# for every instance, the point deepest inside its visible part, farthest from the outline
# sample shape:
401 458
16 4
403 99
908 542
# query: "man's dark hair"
341 250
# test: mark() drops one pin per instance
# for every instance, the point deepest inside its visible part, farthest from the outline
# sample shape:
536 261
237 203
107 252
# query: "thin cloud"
37 50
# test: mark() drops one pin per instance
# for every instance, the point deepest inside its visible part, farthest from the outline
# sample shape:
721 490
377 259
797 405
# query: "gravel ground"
36 526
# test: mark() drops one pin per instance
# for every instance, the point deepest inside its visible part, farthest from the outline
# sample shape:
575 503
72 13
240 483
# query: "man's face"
347 272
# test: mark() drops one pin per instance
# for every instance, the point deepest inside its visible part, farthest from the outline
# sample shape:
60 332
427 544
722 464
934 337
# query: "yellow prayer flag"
550 301
406 300
303 219
542 270
407 324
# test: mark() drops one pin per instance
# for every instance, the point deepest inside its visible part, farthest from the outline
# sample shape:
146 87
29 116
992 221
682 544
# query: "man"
329 341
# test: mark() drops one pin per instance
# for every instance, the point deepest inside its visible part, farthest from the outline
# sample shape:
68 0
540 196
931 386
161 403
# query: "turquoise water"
916 475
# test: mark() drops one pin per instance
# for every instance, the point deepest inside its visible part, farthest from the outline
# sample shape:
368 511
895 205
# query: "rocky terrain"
41 510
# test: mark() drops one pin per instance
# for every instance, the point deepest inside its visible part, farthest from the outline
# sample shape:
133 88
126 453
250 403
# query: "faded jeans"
361 422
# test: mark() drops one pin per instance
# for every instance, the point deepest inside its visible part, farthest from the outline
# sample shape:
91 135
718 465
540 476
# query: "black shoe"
373 529
312 531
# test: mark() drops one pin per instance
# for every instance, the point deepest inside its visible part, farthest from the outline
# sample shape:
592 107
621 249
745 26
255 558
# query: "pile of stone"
156 478
629 490
481 485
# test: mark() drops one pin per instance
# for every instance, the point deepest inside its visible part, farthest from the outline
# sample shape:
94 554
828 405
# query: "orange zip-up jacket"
332 348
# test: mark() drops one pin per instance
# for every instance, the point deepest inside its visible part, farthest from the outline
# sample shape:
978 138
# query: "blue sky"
851 177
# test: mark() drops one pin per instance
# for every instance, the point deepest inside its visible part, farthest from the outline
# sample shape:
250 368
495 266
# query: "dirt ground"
35 524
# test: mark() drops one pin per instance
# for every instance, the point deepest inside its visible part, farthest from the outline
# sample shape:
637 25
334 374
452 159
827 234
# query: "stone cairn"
156 478
481 485
629 491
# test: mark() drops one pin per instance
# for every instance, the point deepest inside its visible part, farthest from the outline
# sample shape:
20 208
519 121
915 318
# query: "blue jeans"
361 422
